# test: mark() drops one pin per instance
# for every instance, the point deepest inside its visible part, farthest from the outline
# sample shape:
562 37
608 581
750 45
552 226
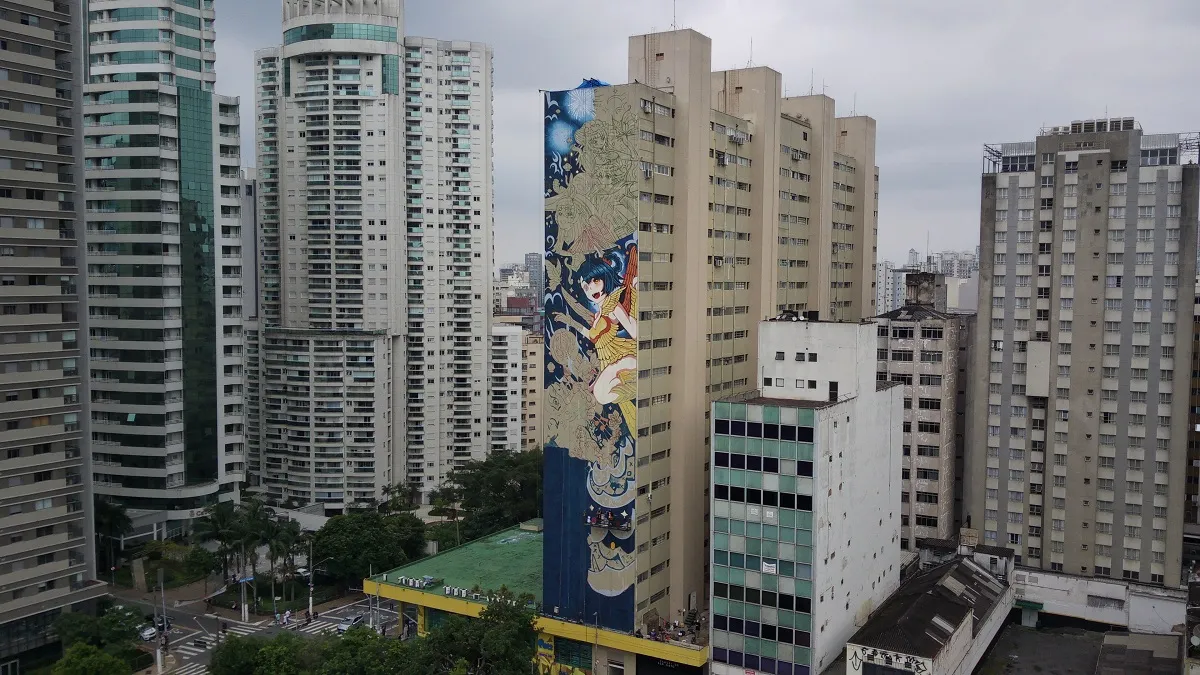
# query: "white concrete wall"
987 632
839 349
856 547
855 654
1142 608
955 650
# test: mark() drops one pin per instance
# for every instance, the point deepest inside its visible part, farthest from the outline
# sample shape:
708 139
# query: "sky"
941 78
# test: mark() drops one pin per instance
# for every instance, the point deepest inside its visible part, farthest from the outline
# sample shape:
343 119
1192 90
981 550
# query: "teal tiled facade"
762 489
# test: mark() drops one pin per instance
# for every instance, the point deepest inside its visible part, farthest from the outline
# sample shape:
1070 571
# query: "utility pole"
159 652
245 610
310 578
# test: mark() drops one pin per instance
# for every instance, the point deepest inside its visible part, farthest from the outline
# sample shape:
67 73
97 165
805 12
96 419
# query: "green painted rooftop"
511 558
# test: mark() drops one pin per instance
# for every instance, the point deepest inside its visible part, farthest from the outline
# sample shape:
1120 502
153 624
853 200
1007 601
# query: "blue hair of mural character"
560 137
609 269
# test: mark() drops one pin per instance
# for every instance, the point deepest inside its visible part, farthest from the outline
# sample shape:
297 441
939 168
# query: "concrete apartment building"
923 347
788 192
162 165
805 500
1191 504
1088 235
375 222
505 388
46 558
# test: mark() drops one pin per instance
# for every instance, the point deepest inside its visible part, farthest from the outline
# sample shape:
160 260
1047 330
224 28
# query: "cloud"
941 79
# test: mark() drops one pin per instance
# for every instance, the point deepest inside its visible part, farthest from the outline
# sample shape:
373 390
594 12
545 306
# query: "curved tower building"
161 163
374 169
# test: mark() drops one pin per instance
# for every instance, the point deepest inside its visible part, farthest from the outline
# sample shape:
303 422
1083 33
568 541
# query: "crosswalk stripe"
243 630
317 627
188 649
192 669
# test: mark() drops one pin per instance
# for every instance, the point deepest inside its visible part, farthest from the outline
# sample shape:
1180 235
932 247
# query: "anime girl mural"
609 283
591 340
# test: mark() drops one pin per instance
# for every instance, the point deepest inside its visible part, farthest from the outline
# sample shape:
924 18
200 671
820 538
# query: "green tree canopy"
84 659
500 642
499 492
360 542
113 631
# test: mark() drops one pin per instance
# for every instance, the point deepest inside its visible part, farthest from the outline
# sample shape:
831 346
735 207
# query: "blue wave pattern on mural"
591 356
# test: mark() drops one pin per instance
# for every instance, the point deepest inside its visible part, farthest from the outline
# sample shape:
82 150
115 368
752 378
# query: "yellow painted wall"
548 627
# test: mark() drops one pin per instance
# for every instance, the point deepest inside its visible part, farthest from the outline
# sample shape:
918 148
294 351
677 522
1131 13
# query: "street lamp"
312 568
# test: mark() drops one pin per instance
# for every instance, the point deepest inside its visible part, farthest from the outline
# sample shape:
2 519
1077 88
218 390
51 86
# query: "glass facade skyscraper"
162 164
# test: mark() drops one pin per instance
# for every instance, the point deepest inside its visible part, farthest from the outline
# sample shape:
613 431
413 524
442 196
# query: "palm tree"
111 522
253 520
218 524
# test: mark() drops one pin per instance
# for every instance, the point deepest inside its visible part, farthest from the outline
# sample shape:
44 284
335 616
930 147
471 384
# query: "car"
302 571
349 623
159 624
148 633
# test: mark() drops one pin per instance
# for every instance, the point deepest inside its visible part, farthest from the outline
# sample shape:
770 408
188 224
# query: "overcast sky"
940 78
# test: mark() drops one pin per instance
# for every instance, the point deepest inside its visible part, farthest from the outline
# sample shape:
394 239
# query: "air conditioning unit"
718 261
796 156
721 161
647 107
646 172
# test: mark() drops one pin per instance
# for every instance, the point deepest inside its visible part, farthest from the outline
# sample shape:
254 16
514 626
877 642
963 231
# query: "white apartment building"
805 500
375 237
161 163
506 389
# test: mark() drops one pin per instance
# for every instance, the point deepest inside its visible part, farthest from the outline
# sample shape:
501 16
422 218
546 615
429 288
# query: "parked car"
148 633
347 624
163 624
302 572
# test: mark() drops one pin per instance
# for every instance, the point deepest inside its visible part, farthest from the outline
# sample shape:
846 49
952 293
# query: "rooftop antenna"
812 81
854 104
750 62
674 24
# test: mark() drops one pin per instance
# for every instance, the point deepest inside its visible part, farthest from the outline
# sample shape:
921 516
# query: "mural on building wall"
591 193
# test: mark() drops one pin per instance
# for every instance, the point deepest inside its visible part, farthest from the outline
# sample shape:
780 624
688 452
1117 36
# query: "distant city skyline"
870 57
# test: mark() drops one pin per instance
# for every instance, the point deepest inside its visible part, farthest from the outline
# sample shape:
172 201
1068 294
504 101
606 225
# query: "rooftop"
511 558
919 618
1139 654
911 312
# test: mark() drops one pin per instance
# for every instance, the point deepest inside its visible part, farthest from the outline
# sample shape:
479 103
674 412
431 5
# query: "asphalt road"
194 634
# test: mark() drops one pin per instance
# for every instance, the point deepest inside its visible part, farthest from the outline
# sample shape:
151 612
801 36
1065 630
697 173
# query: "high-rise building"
46 530
505 388
923 347
1191 504
650 317
1079 405
537 279
806 501
164 261
375 222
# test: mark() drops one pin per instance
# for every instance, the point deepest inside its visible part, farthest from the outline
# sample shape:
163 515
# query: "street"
194 634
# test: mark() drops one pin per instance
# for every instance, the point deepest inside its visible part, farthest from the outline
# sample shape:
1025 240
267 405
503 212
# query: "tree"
113 632
201 562
393 540
253 520
112 523
219 524
502 491
236 656
361 651
84 659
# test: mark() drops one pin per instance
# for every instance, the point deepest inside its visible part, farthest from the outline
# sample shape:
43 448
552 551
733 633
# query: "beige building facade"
1078 406
787 192
46 563
923 347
